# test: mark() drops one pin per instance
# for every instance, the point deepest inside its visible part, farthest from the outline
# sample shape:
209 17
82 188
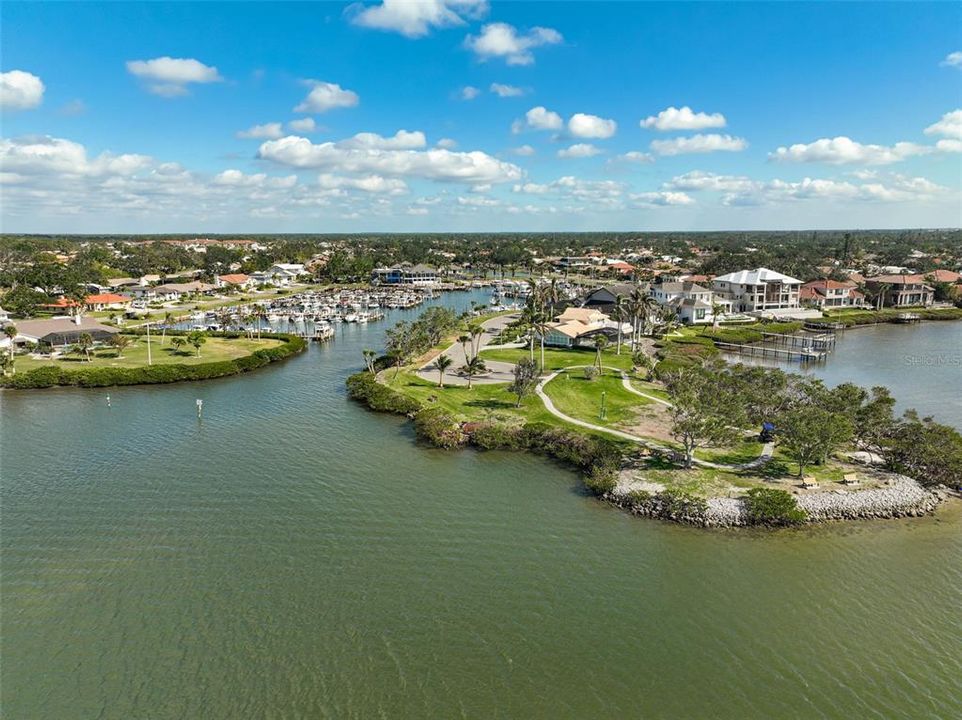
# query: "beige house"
579 326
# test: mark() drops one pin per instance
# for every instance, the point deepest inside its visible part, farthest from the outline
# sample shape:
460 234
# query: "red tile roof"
235 278
106 299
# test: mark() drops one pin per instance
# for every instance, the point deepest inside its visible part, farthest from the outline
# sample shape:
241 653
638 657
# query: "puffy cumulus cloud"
683 118
699 144
262 132
583 125
370 153
447 143
523 151
602 192
38 155
540 118
236 178
416 18
366 183
842 151
304 125
20 90
169 77
738 190
660 199
953 59
634 156
950 125
579 150
502 90
469 92
501 40
698 180
325 96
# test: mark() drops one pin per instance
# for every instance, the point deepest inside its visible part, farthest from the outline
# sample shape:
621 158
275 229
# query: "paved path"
539 390
498 372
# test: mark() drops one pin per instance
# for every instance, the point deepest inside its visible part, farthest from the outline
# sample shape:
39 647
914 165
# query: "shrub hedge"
771 506
151 374
365 388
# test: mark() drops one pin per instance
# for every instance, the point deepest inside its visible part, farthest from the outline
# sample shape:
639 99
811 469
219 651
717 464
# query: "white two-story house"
760 291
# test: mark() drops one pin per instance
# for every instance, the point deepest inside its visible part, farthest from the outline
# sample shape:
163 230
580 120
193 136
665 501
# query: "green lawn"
743 452
556 358
135 355
580 398
481 402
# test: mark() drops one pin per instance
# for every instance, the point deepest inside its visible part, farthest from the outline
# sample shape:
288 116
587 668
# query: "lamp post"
604 410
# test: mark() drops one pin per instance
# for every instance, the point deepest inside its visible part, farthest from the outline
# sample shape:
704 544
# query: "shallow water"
294 556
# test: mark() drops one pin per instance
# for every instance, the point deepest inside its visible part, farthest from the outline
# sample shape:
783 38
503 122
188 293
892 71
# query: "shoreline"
900 497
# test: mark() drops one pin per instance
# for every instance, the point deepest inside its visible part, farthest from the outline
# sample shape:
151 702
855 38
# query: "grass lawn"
135 354
482 402
580 398
557 358
743 452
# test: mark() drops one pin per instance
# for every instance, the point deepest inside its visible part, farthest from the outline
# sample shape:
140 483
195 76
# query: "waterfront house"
107 301
692 302
234 280
903 290
606 297
831 294
577 327
58 332
760 291
171 292
278 274
418 275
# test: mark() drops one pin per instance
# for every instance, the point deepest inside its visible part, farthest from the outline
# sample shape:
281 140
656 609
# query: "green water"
294 556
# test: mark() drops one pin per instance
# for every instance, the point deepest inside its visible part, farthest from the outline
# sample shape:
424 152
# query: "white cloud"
698 180
523 151
634 156
262 132
603 192
842 150
950 125
366 183
683 118
468 92
949 146
583 125
236 178
169 77
416 18
370 153
661 199
500 40
304 125
48 155
20 90
447 143
477 201
579 150
699 144
502 90
953 59
326 96
540 118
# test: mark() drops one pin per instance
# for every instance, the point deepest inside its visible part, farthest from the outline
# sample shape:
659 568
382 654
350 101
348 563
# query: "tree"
874 420
465 341
178 342
810 434
526 374
474 366
716 310
620 310
399 343
10 331
120 343
442 364
196 339
82 347
6 363
641 360
601 342
925 450
369 356
705 409
24 301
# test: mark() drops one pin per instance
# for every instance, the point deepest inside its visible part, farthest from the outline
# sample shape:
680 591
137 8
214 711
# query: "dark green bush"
771 506
364 387
495 436
439 427
678 504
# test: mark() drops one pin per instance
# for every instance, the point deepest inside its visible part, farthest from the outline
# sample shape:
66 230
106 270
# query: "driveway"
498 372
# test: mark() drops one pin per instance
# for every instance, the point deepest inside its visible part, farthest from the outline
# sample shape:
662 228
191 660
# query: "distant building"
902 290
279 274
107 301
237 280
579 326
418 275
58 332
758 291
692 302
831 293
606 297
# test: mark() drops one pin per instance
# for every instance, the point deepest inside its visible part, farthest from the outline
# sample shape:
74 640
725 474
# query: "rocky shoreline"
900 496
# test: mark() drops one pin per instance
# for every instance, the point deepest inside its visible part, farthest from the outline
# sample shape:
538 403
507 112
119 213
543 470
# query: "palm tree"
168 319
716 309
601 342
84 343
619 316
369 356
465 341
476 332
541 326
11 332
119 342
196 339
474 366
442 363
178 342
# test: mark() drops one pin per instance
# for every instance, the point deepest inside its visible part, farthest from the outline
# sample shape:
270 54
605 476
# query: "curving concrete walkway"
765 456
498 372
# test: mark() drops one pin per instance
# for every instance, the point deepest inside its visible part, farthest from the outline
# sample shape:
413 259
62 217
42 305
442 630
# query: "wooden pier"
777 353
823 342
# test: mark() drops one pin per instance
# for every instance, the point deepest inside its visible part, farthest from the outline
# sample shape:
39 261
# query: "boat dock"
821 342
805 355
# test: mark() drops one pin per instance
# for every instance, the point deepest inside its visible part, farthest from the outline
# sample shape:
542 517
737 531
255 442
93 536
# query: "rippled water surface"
294 556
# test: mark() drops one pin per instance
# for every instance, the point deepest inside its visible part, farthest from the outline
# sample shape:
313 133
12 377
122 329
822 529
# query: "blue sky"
177 117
